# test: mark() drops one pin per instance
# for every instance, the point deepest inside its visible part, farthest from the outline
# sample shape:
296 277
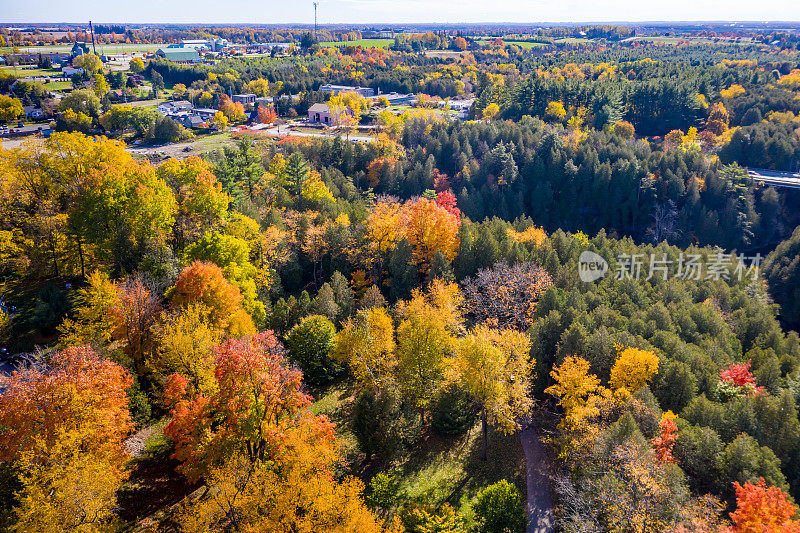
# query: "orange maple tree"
665 441
259 397
203 283
134 313
428 227
762 509
79 391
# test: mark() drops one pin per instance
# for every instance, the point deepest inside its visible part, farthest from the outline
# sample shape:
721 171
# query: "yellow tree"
494 367
100 86
88 62
315 245
579 393
93 321
366 344
429 228
184 342
425 341
632 369
383 231
201 202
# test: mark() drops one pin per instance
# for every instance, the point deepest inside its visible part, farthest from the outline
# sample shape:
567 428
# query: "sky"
393 11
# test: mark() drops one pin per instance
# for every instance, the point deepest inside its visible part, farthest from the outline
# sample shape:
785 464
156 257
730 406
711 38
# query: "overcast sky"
393 11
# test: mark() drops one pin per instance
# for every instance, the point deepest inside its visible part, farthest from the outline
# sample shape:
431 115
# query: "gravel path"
540 501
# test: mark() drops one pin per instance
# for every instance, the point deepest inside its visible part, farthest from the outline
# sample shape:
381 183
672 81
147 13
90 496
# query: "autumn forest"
574 307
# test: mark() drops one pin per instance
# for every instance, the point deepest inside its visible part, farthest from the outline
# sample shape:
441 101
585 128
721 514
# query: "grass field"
366 43
521 44
661 39
29 72
101 48
573 40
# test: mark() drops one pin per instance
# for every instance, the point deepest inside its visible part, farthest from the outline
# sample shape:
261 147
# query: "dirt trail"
540 501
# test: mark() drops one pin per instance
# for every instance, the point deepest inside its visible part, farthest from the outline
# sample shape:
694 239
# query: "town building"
205 113
180 55
178 106
320 113
70 71
396 98
189 121
336 89
33 112
244 99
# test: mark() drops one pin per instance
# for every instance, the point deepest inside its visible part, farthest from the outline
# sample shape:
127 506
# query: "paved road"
540 500
775 177
283 131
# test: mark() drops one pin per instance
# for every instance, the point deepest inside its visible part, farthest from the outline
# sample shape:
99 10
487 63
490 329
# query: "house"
180 55
78 49
33 112
189 121
395 98
205 113
320 113
70 71
336 89
265 100
244 98
172 108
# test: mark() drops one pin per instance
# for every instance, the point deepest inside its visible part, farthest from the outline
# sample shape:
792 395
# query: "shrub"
310 346
453 413
500 508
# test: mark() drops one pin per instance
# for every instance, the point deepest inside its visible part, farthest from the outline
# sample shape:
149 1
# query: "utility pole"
91 29
315 20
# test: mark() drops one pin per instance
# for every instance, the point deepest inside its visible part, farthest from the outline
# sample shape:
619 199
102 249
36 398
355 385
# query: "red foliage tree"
447 200
257 401
665 440
80 393
136 310
762 509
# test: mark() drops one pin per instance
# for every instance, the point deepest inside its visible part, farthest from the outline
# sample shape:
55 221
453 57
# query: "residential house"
172 108
320 113
265 100
336 89
244 98
33 112
205 113
70 71
189 121
180 55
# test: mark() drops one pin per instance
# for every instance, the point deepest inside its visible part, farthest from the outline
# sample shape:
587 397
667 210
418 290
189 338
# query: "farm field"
30 72
366 43
101 48
521 44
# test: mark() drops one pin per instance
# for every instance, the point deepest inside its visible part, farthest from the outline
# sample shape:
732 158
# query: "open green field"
366 43
29 72
101 49
661 39
573 40
521 44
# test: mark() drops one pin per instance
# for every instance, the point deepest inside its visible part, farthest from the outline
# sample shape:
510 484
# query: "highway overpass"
775 178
